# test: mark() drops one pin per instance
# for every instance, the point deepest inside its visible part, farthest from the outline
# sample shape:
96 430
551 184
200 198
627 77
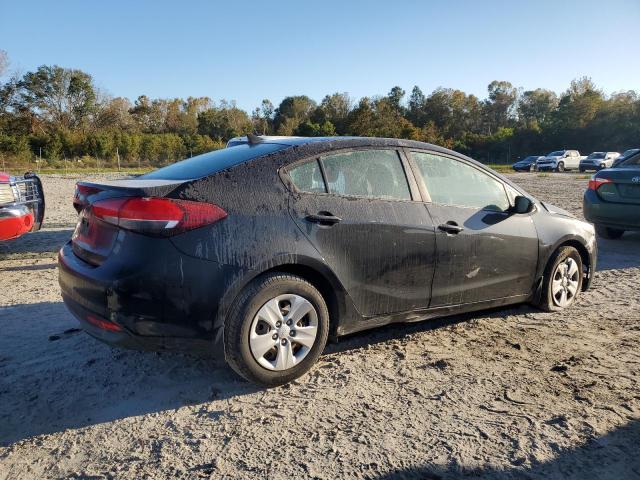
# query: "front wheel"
562 280
276 330
560 167
609 233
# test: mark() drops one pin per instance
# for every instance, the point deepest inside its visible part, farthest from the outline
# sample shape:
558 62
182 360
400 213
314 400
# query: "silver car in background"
598 161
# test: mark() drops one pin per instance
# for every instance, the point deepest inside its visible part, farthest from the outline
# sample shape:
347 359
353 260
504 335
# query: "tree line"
59 114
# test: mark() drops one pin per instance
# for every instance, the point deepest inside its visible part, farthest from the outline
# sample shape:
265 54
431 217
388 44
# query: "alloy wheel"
283 332
564 285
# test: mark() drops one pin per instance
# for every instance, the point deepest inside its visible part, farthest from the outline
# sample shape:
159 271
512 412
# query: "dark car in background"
626 154
527 164
264 250
612 201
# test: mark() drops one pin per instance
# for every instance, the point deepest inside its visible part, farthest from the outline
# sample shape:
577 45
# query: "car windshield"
597 155
556 154
212 162
529 159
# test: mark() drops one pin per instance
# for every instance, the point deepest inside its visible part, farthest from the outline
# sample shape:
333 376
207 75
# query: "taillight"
157 216
596 182
80 198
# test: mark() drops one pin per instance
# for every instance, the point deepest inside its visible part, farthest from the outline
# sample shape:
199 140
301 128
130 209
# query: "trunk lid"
623 185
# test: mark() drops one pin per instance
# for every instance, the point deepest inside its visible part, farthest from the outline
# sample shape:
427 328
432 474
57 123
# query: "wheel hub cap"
283 332
565 281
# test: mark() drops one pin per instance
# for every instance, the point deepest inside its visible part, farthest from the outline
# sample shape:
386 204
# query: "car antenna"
254 139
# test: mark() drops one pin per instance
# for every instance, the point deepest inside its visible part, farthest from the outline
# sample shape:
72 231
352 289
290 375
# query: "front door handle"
451 227
323 218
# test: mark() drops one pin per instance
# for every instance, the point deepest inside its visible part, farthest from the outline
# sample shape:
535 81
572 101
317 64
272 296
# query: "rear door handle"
451 227
323 218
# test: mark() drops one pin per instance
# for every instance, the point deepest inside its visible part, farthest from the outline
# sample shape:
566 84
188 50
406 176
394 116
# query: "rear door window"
367 173
308 177
453 182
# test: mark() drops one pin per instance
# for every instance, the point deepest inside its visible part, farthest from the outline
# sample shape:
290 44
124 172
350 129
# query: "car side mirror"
522 205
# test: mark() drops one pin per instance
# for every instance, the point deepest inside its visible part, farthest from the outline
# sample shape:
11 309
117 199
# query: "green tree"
536 106
63 97
291 112
499 108
224 122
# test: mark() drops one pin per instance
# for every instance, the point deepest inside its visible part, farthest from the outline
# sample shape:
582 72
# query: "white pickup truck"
561 160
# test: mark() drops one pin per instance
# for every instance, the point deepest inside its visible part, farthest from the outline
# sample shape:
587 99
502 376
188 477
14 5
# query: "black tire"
560 167
238 323
546 299
609 233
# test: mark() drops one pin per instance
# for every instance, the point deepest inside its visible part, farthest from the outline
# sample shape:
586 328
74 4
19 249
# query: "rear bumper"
126 339
609 214
156 297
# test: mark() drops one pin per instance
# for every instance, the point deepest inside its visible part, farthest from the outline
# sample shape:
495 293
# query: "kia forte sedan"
263 251
612 201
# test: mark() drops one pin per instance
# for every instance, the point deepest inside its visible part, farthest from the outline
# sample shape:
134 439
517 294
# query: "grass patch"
500 167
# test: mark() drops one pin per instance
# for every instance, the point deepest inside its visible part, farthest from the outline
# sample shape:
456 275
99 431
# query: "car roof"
331 143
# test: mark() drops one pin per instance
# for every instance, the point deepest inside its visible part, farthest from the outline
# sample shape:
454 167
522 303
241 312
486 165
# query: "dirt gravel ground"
510 393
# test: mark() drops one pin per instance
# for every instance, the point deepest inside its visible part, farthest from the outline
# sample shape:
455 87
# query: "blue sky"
248 51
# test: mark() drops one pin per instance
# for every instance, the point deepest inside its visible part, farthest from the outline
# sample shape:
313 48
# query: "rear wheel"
609 233
562 280
277 329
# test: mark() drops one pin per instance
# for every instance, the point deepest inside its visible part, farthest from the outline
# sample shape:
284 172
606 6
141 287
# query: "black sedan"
612 201
527 164
265 250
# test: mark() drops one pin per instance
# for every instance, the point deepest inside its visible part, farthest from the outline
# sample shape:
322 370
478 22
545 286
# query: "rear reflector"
157 216
595 182
102 323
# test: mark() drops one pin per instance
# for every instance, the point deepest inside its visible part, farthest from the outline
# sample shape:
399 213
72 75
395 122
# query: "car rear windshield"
633 160
212 162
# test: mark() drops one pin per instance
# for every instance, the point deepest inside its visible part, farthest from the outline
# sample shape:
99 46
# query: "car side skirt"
428 314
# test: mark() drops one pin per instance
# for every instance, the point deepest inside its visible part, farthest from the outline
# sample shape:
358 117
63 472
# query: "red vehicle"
21 205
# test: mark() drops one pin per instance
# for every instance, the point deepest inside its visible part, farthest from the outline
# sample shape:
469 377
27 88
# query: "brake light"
80 198
157 216
596 182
